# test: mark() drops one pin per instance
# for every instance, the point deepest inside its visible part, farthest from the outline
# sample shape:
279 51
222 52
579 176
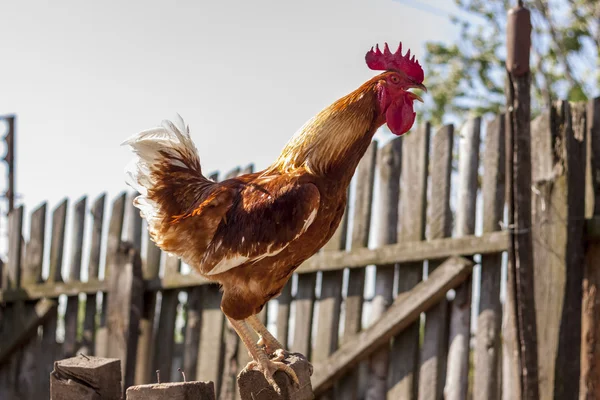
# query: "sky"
83 76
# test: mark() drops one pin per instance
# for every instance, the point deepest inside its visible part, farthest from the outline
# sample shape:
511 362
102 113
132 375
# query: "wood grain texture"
486 384
389 166
88 378
70 344
457 375
349 386
558 218
405 310
211 349
88 340
590 322
435 343
113 241
413 201
124 310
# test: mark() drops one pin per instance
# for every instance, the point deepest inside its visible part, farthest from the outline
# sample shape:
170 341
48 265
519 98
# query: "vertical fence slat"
72 312
146 345
348 387
89 322
59 216
59 219
210 353
126 289
457 381
303 317
487 336
284 302
330 301
433 352
12 317
558 174
413 200
165 334
389 166
113 240
590 323
34 252
33 382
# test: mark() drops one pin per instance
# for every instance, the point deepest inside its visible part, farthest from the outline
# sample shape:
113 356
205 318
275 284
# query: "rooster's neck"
333 142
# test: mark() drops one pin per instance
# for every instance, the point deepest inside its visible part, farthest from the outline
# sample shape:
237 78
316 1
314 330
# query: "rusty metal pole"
520 330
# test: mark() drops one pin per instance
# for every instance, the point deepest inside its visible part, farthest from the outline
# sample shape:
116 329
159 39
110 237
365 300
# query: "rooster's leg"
271 344
260 359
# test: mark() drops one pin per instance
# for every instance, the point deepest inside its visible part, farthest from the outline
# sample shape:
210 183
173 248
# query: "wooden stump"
173 391
86 378
253 385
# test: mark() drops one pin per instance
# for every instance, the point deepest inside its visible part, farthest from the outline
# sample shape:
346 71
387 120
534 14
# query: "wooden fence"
370 311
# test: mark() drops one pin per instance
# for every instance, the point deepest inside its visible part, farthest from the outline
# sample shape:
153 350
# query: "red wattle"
400 116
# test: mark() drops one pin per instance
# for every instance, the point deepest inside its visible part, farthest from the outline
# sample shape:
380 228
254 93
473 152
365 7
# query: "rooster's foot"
268 369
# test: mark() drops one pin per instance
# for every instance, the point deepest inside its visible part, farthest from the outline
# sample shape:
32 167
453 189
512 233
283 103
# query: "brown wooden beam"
405 310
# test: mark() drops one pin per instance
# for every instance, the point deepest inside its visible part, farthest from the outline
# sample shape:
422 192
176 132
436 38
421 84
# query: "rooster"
251 232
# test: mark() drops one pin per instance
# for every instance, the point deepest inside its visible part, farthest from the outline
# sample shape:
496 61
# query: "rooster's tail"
166 173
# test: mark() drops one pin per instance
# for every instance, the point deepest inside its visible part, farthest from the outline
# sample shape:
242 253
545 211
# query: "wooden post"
253 385
124 309
590 317
487 336
389 166
413 201
559 200
435 341
349 386
86 378
210 350
520 325
173 390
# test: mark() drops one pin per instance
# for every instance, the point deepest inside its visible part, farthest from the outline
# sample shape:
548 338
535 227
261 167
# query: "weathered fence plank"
558 221
413 199
330 301
210 356
590 322
70 344
487 336
405 311
124 309
145 373
284 302
34 252
457 377
173 390
31 372
165 332
304 303
88 343
350 385
113 240
433 351
389 166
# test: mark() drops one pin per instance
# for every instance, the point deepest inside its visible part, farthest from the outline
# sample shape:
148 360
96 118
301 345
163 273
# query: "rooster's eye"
395 79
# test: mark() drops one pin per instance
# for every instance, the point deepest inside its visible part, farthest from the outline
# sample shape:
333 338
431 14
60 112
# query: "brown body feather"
250 233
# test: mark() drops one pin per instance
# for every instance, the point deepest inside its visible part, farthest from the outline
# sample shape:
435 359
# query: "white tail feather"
150 146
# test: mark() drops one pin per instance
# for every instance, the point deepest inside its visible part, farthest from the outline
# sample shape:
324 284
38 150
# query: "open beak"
419 86
415 96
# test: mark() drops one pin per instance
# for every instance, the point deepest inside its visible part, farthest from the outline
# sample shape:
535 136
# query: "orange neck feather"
336 137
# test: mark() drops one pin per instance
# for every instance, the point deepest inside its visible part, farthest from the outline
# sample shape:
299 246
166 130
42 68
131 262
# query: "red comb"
386 60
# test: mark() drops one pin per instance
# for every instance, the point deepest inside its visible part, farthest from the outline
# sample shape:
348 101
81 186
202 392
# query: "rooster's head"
401 74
